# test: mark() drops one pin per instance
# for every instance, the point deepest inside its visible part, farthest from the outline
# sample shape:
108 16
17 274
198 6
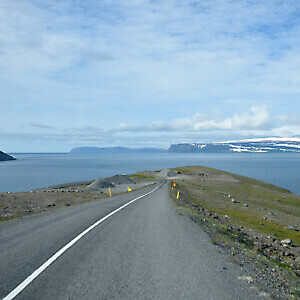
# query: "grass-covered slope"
246 215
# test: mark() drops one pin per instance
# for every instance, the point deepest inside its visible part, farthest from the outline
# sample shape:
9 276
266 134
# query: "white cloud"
97 64
257 122
257 119
290 119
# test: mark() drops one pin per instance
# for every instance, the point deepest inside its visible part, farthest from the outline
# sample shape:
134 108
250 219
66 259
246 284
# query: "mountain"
195 148
5 157
258 145
109 150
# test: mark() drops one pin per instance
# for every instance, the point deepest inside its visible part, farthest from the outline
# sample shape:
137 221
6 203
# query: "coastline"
245 217
31 172
23 204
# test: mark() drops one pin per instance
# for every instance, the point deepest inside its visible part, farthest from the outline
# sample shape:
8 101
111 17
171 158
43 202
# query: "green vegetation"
259 206
140 176
246 215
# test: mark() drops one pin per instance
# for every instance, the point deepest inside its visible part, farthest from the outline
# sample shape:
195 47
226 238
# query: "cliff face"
5 157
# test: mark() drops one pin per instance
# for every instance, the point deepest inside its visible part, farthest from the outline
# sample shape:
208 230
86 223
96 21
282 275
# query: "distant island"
109 150
259 145
6 157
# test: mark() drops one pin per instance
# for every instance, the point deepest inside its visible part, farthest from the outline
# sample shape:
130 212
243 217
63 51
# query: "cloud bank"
167 70
256 122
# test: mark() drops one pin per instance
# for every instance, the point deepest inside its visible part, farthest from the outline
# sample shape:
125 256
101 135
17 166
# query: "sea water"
32 171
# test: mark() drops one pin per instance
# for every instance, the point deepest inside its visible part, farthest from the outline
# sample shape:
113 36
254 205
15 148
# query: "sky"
146 73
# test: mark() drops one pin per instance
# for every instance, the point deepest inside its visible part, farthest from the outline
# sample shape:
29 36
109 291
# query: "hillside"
255 222
5 157
261 145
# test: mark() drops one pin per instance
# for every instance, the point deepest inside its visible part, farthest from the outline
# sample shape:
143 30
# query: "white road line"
45 265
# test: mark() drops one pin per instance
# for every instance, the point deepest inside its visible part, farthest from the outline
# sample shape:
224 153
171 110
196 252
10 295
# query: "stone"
291 228
286 242
288 254
276 257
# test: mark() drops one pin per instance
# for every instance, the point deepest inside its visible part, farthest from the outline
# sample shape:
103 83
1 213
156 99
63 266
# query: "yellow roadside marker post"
178 198
129 189
109 191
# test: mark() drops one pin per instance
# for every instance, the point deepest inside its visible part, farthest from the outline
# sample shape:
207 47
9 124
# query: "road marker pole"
179 198
109 191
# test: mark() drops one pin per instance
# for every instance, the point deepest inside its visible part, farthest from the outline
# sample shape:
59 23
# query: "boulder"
286 242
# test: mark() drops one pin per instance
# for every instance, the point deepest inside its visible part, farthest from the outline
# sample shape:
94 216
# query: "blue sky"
146 73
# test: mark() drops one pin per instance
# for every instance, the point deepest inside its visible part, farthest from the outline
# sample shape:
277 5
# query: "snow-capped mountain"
258 145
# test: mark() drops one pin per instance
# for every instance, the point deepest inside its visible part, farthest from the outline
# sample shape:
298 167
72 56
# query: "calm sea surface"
33 171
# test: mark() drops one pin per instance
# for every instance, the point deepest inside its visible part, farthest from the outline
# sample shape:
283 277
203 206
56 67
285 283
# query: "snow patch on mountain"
256 145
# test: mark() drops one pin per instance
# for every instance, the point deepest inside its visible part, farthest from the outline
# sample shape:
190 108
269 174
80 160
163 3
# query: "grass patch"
246 216
140 176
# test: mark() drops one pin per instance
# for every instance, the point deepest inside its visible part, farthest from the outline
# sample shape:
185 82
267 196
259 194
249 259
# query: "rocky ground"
21 204
257 223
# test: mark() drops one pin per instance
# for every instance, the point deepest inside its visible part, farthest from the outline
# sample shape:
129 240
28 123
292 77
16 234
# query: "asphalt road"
148 250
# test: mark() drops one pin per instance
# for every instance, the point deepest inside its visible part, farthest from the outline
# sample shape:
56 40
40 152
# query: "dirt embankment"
257 222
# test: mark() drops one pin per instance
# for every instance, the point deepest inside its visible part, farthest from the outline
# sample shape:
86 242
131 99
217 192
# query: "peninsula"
254 223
